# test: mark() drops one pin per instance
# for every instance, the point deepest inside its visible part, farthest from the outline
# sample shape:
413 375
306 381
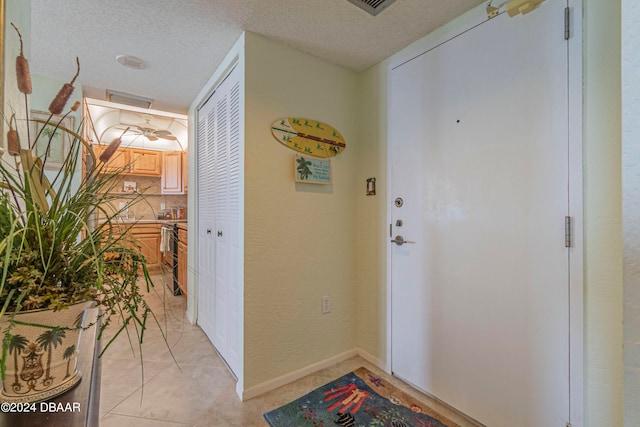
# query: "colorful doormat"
359 398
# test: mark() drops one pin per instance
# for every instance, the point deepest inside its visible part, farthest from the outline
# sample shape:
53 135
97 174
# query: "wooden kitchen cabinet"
118 162
172 173
145 162
150 245
132 161
148 238
182 260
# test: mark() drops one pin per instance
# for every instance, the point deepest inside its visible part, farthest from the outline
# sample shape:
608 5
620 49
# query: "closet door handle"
208 231
219 233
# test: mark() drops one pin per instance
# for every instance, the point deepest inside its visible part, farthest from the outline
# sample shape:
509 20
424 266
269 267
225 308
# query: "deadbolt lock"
399 202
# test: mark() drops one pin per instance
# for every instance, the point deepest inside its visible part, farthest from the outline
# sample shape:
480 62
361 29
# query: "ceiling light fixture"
131 62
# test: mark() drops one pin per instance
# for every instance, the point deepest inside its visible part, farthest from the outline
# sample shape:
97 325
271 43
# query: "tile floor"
195 389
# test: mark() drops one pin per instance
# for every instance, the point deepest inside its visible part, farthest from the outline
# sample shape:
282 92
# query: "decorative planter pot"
41 362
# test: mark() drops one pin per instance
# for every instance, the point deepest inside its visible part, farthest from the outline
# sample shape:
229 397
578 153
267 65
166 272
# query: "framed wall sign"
312 170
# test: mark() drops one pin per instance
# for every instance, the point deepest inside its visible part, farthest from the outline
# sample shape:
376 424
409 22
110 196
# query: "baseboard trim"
190 318
373 360
266 386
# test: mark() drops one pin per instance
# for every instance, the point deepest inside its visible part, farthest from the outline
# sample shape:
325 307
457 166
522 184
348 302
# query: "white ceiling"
184 41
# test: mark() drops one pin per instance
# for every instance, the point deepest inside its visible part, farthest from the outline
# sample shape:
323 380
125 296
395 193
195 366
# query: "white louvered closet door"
220 220
206 217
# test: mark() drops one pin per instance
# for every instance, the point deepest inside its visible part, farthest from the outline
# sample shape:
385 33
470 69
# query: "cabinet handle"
219 233
208 231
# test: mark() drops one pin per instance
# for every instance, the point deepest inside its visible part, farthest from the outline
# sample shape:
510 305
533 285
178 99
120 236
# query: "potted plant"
55 258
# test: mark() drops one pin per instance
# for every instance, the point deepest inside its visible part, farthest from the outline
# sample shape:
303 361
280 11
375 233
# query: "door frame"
455 28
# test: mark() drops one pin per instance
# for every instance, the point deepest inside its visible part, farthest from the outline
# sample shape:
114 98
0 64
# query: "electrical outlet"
326 304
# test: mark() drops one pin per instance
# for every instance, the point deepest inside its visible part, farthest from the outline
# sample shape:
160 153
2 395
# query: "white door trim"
576 283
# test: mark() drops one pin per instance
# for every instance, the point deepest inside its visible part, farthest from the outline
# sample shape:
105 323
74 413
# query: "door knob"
399 240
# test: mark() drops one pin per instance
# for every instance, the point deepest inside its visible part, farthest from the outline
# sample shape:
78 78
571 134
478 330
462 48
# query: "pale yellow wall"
371 234
603 391
299 238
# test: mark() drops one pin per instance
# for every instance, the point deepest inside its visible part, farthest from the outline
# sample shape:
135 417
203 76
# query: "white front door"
478 138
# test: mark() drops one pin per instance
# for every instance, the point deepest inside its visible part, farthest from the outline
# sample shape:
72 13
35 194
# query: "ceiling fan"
149 131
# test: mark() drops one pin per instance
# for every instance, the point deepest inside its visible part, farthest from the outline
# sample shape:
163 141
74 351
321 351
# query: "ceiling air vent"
128 99
373 7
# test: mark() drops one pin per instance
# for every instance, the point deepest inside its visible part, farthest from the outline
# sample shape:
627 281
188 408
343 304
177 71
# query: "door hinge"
567 30
567 231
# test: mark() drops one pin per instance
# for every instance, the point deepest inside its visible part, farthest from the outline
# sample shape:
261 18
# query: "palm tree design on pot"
17 344
41 359
48 341
67 355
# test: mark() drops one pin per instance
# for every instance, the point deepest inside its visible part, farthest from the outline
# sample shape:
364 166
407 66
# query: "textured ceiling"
184 41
